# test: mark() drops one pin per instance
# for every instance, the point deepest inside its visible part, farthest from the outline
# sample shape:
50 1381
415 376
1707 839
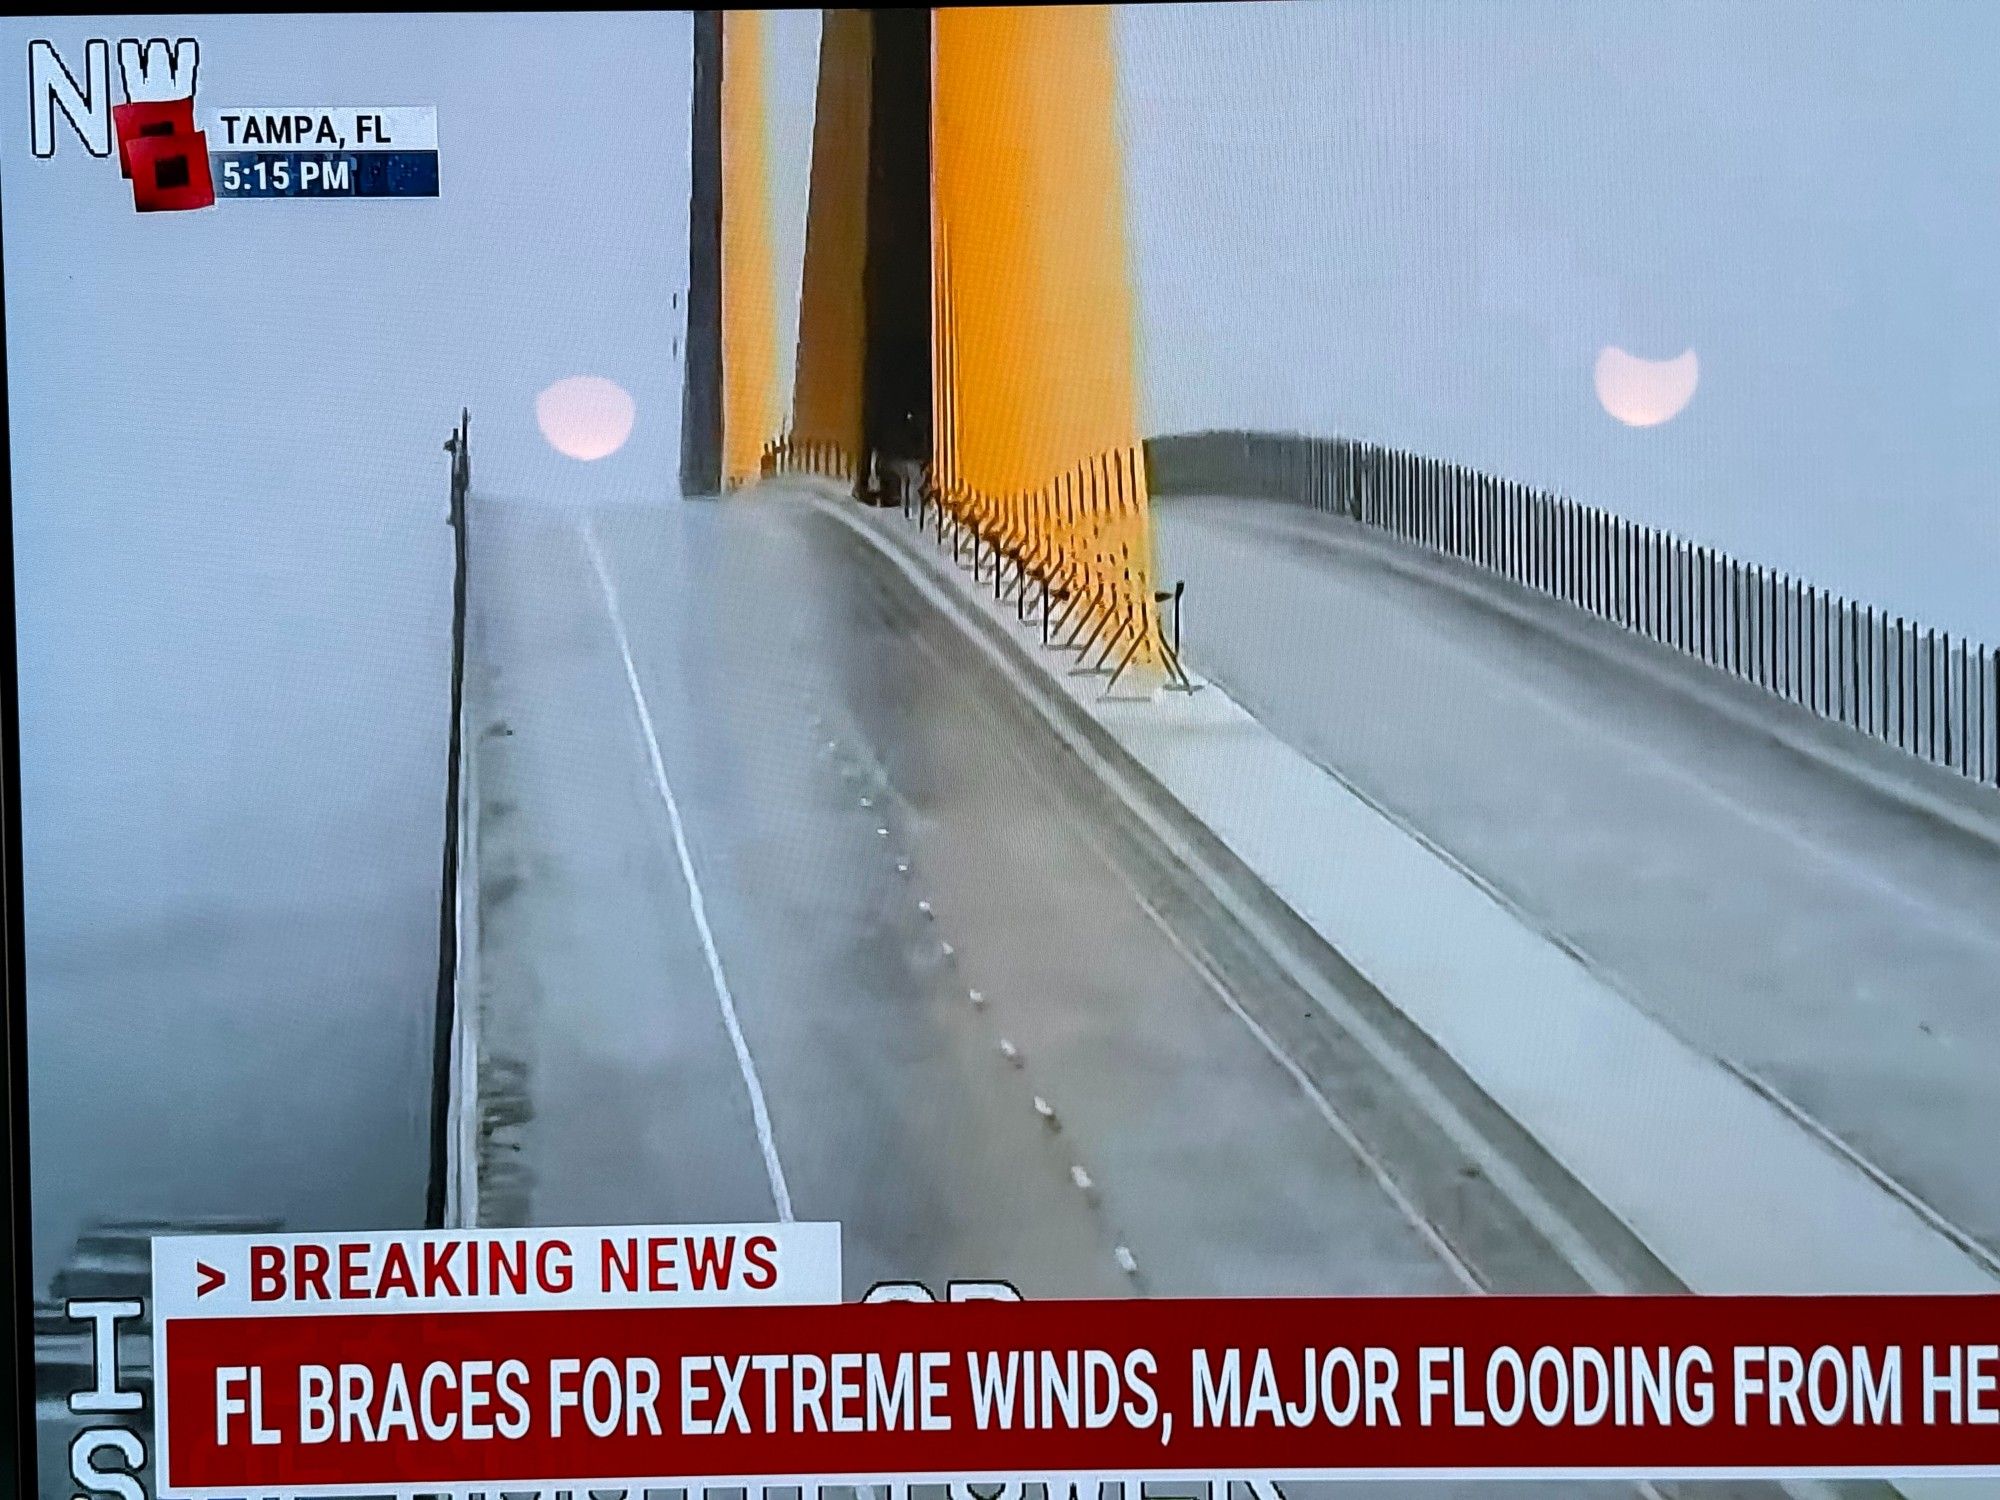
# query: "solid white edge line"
781 1195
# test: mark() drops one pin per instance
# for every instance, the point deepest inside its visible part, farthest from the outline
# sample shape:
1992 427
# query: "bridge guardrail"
440 1198
1888 677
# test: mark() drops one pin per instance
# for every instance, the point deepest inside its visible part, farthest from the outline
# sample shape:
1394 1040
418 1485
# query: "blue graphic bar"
324 174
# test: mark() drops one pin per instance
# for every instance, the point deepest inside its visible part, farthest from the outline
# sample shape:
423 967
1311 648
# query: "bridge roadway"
754 825
865 837
1820 912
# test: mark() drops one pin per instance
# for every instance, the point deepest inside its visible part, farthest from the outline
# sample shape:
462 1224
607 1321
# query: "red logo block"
150 117
170 172
163 154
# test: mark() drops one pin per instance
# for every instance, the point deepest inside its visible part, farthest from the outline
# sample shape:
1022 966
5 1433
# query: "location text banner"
1281 1387
374 127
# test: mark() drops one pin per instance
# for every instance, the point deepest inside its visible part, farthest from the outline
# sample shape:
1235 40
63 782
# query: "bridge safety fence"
1883 675
1079 550
788 454
1072 554
445 1022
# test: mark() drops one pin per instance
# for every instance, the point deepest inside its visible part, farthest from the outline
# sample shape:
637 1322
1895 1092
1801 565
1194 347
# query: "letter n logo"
86 104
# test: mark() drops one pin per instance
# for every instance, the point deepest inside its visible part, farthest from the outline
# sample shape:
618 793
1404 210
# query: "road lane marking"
950 603
780 1195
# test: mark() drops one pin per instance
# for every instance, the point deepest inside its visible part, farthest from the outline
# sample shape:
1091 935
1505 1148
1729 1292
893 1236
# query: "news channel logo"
177 161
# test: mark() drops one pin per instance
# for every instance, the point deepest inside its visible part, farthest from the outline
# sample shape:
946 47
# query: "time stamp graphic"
323 153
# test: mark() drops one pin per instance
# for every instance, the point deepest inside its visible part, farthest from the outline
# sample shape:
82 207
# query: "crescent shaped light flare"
1645 392
585 417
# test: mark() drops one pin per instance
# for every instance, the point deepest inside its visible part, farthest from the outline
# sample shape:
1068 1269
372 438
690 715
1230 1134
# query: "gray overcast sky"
1419 220
233 573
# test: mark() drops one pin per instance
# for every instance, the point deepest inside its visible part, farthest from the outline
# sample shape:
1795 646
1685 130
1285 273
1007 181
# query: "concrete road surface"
750 840
1829 940
786 905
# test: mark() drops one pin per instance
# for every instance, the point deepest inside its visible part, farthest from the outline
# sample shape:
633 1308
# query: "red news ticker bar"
1893 1426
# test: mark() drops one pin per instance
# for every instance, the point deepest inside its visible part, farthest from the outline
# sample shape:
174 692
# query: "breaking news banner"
320 152
625 1357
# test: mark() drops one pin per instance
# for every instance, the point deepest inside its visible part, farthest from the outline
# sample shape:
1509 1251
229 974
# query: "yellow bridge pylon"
750 404
1034 392
966 305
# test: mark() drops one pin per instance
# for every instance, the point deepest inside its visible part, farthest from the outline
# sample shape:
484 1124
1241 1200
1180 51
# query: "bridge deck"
787 675
755 821
1789 917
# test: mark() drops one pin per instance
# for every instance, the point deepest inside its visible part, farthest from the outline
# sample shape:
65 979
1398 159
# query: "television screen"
1040 753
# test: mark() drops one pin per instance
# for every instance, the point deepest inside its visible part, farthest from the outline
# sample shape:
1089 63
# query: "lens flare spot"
585 417
1645 392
